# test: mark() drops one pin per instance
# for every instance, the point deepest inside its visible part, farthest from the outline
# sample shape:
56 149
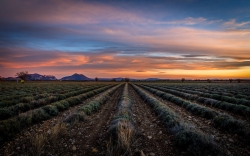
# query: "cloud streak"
111 63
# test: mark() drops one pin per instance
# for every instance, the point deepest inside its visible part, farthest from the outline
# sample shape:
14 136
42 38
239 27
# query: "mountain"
40 77
77 77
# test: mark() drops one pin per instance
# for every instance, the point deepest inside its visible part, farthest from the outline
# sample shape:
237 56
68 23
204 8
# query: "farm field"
119 118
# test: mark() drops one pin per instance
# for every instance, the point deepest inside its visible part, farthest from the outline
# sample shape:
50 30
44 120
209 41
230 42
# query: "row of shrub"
8 112
10 127
96 103
237 109
42 97
217 88
20 93
91 106
222 121
231 91
11 111
185 137
223 98
122 129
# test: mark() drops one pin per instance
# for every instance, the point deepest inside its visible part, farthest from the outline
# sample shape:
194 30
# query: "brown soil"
93 140
152 135
235 147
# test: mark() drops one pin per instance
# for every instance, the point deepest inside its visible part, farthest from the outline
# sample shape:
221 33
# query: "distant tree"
239 80
96 79
127 79
122 80
22 75
183 79
230 80
114 80
208 80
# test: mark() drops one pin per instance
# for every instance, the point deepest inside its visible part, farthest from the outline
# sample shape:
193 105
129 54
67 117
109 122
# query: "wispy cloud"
188 21
233 24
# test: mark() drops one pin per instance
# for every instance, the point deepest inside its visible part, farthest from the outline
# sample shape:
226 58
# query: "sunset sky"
126 38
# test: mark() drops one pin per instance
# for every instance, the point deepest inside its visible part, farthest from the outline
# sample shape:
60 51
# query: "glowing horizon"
136 39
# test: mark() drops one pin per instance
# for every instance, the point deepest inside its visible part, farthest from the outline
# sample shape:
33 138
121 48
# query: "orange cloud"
194 41
136 61
59 59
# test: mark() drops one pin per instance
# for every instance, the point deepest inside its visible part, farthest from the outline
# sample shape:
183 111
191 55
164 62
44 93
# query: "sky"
192 39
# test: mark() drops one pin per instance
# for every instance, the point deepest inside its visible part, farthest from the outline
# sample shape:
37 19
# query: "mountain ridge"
37 76
76 77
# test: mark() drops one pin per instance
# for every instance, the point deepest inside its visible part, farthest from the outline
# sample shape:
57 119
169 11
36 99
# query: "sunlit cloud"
10 58
137 61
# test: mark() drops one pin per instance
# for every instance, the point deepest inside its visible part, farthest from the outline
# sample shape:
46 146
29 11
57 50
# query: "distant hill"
40 77
116 79
76 77
111 79
32 77
9 78
152 79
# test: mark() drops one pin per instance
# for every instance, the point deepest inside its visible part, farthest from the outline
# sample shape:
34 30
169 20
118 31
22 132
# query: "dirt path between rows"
96 142
230 143
21 143
152 134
